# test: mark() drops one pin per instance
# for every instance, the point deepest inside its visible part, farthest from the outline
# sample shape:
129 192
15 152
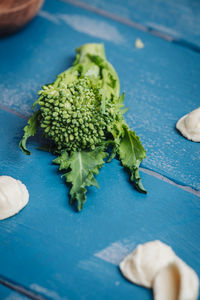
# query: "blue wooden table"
48 251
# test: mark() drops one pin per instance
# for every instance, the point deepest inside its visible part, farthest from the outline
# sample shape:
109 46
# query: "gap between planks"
148 29
20 289
170 181
144 170
14 112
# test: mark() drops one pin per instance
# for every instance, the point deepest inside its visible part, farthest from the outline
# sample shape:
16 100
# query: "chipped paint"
19 98
14 296
93 27
46 292
90 26
48 16
115 252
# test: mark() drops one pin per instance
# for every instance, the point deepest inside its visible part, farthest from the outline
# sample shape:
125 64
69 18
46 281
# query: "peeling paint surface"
48 248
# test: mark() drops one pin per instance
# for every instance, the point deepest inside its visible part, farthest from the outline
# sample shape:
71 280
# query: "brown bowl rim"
20 7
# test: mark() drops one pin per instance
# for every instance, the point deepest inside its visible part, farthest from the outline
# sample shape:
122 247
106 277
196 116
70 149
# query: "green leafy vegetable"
83 166
81 115
131 153
29 130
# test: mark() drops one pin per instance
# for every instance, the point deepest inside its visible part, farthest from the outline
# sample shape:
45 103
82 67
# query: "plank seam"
21 289
171 181
133 24
14 112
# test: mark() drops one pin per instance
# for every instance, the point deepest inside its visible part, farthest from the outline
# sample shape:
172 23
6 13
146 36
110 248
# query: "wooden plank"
174 20
60 254
8 294
161 81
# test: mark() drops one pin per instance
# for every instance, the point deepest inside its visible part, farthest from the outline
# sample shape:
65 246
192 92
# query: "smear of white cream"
13 196
92 27
189 125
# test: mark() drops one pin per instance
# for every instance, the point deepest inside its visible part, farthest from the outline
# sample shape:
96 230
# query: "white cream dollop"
145 261
13 196
177 281
189 125
155 265
139 44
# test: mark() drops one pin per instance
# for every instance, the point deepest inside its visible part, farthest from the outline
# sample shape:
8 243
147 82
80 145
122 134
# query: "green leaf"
37 101
121 103
112 82
121 99
113 145
124 110
131 153
83 166
108 74
62 160
113 153
29 130
98 60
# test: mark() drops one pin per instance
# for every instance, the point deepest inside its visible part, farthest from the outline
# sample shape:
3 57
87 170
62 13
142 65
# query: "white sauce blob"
139 44
145 261
177 281
167 283
13 196
155 265
189 125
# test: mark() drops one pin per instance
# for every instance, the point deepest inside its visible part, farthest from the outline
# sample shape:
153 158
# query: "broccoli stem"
92 49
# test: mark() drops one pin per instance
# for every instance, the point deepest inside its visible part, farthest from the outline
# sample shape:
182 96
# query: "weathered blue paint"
48 248
61 254
8 294
178 20
161 81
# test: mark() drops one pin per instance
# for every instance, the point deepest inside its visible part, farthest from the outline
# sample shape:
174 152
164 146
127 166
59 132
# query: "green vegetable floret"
71 115
81 116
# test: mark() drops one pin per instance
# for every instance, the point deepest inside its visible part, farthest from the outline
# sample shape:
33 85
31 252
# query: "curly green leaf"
131 153
29 130
83 166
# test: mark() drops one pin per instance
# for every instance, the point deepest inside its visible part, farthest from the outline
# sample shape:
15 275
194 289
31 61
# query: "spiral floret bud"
72 115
